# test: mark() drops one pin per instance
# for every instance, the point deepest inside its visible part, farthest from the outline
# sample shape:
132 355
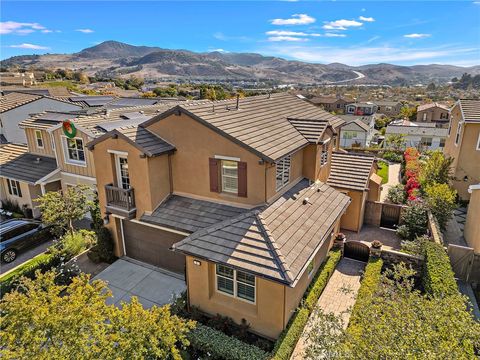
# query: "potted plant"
340 236
376 248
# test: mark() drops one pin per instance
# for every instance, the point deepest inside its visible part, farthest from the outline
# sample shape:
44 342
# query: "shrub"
438 278
12 206
288 339
217 345
392 156
396 194
414 247
102 251
71 245
436 169
414 219
440 199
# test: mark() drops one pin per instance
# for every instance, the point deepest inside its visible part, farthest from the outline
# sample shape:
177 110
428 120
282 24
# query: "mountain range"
113 58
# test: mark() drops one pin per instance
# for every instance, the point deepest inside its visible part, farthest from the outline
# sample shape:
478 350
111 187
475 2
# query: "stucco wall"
432 114
472 225
29 193
12 118
265 316
353 217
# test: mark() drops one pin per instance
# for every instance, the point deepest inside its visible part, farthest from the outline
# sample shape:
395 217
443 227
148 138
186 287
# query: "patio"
388 237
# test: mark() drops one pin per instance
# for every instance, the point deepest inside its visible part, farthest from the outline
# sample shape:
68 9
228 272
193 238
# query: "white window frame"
458 133
119 171
66 153
39 139
424 117
324 153
285 172
423 142
224 176
14 187
52 139
478 142
235 284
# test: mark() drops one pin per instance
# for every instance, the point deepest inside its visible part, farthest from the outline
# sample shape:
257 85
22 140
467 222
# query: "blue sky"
350 32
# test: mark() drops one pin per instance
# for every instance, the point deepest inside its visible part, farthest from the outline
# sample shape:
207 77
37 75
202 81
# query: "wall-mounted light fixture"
106 218
197 262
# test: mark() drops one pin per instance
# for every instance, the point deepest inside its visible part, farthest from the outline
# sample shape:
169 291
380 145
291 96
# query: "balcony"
120 201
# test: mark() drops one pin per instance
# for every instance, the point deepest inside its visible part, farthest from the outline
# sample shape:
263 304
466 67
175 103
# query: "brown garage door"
152 245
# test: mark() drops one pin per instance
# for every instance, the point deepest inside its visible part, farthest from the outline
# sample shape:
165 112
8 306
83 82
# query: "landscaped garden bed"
383 171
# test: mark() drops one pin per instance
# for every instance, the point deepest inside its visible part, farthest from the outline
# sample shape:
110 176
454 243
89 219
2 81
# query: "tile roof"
11 151
470 109
190 215
28 168
328 99
350 170
386 102
14 100
431 105
278 241
416 130
312 130
260 123
359 123
148 142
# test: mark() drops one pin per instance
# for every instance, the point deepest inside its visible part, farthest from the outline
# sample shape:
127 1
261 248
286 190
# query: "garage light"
197 262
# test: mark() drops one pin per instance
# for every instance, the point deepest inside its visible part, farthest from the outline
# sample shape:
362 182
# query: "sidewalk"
338 297
393 179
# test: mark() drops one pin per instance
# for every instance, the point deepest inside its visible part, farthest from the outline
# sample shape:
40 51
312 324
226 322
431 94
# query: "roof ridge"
273 245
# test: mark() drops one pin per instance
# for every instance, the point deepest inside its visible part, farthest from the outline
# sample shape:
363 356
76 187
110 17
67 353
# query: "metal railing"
120 198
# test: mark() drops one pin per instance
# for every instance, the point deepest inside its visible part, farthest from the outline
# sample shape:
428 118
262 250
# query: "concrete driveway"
152 286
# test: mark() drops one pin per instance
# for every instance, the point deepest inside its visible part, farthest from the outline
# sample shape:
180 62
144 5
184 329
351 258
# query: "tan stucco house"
433 113
463 145
471 231
240 190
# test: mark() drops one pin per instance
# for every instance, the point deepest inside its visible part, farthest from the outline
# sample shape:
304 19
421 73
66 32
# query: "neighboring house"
55 91
355 175
16 107
424 136
463 145
433 113
471 231
389 108
24 176
17 78
354 134
245 193
364 108
331 103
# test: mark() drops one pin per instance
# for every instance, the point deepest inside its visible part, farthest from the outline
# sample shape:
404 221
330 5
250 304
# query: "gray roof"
148 142
190 215
312 130
350 170
387 102
14 100
260 123
470 109
28 168
278 241
359 123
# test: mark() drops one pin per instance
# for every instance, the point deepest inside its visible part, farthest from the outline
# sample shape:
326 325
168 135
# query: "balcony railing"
123 199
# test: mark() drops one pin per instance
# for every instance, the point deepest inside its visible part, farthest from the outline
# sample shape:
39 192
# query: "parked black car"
17 235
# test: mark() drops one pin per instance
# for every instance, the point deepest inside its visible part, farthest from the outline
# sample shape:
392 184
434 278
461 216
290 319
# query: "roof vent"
37 160
306 201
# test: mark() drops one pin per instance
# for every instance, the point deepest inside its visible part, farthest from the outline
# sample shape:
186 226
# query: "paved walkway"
338 297
388 237
393 179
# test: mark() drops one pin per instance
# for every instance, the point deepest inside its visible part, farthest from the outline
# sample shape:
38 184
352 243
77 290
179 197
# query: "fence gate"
461 258
356 250
390 216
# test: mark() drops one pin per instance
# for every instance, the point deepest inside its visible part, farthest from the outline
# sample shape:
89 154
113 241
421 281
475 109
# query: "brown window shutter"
213 168
242 179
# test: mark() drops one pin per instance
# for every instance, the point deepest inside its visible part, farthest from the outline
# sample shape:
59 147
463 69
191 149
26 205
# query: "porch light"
106 219
197 262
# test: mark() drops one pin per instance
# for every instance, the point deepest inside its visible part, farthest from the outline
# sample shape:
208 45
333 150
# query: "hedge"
438 278
288 339
41 262
217 345
368 286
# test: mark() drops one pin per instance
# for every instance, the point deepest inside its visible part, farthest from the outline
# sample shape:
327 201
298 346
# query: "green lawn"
383 171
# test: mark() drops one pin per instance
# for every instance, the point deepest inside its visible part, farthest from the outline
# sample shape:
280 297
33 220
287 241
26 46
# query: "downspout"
284 305
170 174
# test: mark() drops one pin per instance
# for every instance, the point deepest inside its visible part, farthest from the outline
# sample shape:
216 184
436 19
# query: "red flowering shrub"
412 169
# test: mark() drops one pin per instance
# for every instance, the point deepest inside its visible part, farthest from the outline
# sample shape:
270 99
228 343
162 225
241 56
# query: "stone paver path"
338 297
393 179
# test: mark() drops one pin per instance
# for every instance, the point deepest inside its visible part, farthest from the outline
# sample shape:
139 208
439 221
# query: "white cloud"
46 31
30 46
223 37
296 19
366 19
363 9
375 54
85 31
334 35
19 28
289 33
286 38
220 50
417 36
341 24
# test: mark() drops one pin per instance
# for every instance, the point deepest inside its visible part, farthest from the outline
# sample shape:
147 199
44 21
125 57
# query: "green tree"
395 141
436 169
396 194
49 321
414 219
409 113
440 199
61 210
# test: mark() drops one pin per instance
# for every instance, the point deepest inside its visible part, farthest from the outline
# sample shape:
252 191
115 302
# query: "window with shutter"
213 169
242 179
